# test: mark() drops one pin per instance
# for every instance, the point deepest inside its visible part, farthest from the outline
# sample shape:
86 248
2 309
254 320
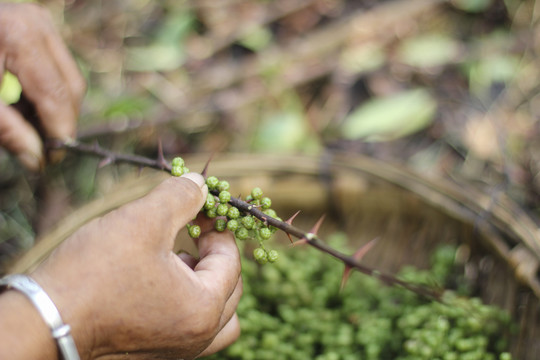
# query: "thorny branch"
310 238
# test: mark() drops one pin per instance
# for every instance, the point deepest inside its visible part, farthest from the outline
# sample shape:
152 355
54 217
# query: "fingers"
232 303
156 218
32 49
219 264
41 71
20 138
227 335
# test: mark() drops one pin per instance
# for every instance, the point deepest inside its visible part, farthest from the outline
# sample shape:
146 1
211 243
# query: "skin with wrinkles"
32 49
127 295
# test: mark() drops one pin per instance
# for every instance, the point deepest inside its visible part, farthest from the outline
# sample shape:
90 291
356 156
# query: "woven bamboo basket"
411 215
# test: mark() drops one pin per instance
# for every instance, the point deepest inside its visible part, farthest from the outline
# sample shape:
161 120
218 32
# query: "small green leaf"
281 132
383 119
428 50
472 6
10 89
256 38
156 57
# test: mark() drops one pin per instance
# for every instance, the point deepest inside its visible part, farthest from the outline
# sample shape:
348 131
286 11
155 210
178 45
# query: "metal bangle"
60 331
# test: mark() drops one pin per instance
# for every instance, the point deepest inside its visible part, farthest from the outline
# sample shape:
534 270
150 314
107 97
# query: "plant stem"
110 157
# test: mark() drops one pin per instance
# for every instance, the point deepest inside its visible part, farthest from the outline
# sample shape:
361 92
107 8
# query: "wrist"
23 333
73 312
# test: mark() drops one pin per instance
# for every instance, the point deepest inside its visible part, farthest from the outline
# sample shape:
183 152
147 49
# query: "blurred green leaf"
281 132
166 52
383 119
10 89
157 57
364 58
472 6
126 106
491 70
428 50
256 39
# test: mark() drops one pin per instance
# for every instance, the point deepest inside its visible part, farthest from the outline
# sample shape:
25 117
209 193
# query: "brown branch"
309 238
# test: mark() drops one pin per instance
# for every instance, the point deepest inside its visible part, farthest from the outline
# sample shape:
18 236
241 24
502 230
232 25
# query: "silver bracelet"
47 309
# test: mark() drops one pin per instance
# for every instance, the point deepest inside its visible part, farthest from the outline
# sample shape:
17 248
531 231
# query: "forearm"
23 333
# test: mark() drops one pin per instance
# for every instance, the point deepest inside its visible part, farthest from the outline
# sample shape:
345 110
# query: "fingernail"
196 178
31 161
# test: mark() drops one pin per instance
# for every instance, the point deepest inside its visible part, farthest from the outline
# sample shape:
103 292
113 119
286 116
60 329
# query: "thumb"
20 138
158 216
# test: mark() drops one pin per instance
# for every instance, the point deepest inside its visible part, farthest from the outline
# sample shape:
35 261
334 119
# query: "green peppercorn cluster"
178 167
294 310
243 225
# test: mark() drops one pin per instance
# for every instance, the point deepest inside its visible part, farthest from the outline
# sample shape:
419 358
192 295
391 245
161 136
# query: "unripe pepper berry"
260 255
265 233
194 231
224 196
248 222
212 182
210 202
232 225
220 225
241 233
222 209
177 171
273 255
223 185
178 161
266 203
233 213
257 193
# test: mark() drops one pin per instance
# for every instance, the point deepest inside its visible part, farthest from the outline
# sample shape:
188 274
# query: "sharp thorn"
302 241
317 225
205 169
160 157
290 220
364 249
345 277
104 162
290 238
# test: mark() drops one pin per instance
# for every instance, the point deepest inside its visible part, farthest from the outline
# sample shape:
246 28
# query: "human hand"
32 50
126 294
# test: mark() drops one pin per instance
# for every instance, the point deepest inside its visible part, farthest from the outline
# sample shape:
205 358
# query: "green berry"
210 202
233 213
177 161
257 193
270 212
222 209
177 170
211 213
248 222
212 182
260 255
232 225
241 233
223 185
249 198
194 231
186 170
266 203
265 233
273 255
220 224
224 197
